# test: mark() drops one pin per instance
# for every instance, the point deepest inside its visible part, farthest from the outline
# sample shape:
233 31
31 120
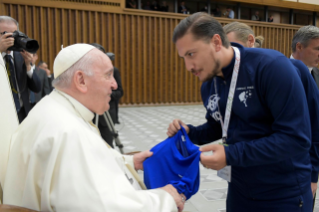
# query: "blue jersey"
175 161
269 132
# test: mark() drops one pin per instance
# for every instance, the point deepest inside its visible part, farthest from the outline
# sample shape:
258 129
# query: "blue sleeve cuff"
191 133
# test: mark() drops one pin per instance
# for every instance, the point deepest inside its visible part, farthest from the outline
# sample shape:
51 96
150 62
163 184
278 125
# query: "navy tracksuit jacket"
269 134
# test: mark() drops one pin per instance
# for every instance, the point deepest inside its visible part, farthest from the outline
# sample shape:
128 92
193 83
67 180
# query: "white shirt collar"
79 108
310 68
5 53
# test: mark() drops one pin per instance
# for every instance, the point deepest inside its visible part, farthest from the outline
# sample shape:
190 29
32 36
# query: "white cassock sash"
133 177
8 122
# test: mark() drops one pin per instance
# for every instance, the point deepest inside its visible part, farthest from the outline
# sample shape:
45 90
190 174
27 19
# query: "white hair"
304 35
8 19
84 64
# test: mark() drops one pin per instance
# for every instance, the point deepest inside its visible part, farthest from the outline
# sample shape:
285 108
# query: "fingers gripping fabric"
175 161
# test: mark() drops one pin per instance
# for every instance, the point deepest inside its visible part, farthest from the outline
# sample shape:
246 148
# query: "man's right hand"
48 72
6 42
175 126
177 197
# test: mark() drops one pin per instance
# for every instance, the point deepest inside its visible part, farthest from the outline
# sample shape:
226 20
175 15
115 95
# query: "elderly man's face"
101 84
310 54
8 27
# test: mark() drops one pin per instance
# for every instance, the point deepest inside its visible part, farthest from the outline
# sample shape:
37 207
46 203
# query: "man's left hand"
139 158
27 59
216 161
314 188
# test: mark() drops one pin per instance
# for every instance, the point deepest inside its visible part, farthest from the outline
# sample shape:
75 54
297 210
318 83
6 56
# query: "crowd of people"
263 105
184 9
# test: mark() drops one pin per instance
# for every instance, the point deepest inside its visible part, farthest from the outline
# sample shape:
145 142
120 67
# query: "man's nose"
189 65
113 84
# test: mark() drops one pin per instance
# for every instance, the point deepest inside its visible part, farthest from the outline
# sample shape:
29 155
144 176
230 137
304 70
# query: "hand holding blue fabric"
216 161
139 158
175 161
175 126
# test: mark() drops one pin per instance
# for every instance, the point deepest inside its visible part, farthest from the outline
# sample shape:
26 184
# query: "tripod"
111 127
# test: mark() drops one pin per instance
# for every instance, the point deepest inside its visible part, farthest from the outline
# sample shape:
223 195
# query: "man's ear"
80 81
251 41
299 47
217 43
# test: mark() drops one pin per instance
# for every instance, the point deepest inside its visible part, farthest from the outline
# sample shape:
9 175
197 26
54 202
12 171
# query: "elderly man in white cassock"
58 160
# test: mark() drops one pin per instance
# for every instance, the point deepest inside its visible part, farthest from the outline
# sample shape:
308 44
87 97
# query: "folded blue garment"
175 161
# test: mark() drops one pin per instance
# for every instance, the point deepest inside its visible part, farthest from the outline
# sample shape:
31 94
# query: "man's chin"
205 79
102 112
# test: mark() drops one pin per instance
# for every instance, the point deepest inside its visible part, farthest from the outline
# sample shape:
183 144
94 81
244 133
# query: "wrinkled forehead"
103 62
8 25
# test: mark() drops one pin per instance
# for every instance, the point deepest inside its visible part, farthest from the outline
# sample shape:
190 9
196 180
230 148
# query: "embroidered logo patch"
212 106
243 96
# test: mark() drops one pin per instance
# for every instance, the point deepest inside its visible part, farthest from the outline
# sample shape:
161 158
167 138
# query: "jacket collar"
228 70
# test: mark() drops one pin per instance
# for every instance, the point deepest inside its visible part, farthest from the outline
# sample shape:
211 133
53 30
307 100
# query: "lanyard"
225 123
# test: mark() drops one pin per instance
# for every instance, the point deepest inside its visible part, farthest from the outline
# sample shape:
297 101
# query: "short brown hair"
202 26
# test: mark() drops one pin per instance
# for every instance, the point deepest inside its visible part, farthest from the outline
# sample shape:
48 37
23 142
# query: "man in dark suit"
183 9
164 7
305 47
44 66
19 67
115 98
45 88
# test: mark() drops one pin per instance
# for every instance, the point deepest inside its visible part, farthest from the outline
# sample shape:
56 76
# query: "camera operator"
19 67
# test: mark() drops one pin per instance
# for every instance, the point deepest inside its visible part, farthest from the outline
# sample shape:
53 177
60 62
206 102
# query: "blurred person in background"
114 103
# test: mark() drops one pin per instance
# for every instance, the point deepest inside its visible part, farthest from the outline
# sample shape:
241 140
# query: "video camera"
23 42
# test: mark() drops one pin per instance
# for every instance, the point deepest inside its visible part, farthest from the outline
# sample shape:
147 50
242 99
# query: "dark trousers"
21 114
236 202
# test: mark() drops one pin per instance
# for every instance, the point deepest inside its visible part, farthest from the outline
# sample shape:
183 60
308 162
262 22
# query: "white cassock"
59 162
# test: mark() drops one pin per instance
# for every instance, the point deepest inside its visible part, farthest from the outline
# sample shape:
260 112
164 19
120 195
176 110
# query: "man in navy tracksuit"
269 133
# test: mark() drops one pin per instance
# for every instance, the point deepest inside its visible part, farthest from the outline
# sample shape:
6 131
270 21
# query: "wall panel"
151 70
